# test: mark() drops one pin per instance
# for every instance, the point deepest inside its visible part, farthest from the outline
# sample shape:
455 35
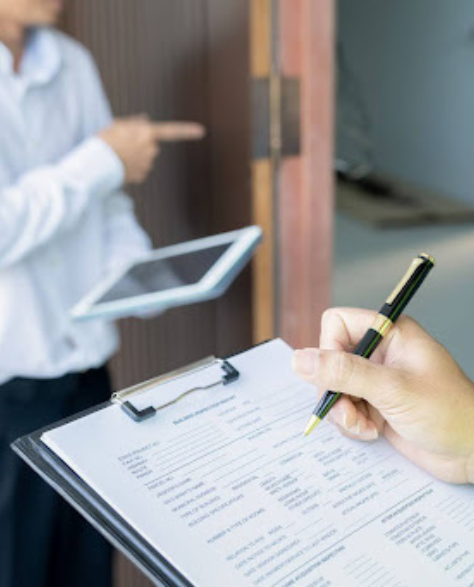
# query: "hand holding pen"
387 316
412 392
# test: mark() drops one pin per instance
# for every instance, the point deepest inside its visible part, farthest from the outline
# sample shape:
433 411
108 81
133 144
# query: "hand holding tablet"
178 275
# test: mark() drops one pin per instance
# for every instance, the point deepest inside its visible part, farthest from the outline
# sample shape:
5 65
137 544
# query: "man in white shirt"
64 222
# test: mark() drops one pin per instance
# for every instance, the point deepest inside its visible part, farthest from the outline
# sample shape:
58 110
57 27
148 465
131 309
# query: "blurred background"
349 180
405 116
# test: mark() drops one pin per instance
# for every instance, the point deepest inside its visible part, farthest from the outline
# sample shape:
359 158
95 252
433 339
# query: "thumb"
381 386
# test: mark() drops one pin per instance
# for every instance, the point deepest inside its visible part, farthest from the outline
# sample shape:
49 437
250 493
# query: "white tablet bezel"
211 285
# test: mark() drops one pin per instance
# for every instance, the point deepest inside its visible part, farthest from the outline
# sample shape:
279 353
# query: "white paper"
227 488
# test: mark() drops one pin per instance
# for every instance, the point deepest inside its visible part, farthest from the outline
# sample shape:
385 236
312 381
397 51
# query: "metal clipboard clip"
122 398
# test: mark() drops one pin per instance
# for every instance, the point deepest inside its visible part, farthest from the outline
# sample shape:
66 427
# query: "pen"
388 315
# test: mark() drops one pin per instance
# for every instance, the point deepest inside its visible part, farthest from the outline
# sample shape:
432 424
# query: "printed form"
227 488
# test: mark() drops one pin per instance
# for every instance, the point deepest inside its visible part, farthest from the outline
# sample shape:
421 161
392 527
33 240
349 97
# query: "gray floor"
369 263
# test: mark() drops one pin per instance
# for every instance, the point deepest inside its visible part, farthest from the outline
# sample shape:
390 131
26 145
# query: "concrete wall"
414 62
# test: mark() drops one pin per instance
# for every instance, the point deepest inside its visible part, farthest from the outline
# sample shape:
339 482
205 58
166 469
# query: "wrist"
93 167
111 161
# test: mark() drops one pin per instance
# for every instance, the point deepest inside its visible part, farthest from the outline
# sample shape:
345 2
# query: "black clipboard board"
87 502
94 509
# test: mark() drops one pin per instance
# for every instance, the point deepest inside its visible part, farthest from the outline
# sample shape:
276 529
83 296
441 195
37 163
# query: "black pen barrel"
390 312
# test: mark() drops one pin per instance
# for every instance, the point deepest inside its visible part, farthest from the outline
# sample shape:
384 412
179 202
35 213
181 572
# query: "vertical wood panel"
260 37
306 190
153 58
263 265
293 196
230 124
263 211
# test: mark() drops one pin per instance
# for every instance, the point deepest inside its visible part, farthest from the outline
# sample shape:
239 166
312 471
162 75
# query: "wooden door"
194 60
292 68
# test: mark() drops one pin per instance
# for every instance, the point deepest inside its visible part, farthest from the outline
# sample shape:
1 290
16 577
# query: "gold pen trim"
382 325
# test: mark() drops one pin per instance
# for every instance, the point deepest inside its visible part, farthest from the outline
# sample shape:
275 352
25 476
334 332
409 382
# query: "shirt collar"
41 60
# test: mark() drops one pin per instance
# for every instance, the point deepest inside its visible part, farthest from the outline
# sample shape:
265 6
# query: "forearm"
52 199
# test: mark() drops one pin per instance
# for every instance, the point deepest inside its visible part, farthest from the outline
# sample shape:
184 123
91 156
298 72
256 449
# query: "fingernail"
372 433
304 362
368 433
355 429
345 421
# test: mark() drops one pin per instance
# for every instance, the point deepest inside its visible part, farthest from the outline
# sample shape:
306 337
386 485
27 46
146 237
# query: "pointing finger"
178 131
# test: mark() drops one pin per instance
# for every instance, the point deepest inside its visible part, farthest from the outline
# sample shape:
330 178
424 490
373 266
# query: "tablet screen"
162 274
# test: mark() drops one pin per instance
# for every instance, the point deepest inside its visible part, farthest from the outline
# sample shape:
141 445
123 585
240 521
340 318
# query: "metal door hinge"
276 111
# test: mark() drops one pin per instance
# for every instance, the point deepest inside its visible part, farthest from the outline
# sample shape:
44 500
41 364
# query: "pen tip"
311 425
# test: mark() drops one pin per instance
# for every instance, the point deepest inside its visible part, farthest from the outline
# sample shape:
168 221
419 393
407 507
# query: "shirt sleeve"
124 238
50 200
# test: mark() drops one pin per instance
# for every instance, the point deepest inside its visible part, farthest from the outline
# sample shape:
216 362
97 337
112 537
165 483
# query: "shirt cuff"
95 167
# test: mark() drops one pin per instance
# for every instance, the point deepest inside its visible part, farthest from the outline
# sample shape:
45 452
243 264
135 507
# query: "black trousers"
43 541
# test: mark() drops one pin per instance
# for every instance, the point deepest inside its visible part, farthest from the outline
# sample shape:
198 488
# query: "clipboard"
87 502
274 544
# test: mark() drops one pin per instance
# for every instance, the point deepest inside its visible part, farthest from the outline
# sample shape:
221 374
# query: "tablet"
173 276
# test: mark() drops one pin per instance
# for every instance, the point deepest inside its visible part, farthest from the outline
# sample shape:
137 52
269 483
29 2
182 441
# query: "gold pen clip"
420 260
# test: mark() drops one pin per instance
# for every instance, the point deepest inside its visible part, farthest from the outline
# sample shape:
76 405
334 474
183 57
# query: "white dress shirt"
63 221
